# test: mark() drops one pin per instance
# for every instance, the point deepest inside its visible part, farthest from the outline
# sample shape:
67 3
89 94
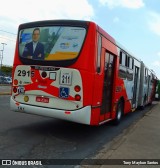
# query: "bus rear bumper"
82 115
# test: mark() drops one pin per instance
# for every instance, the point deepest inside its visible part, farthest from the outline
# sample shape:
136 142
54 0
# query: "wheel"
119 113
150 103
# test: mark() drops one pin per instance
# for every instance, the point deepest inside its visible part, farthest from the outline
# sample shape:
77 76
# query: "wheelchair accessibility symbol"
64 92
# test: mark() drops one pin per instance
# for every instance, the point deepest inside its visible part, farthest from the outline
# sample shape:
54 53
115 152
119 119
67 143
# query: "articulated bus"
75 71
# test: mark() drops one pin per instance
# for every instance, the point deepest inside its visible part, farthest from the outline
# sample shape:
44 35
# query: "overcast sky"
133 23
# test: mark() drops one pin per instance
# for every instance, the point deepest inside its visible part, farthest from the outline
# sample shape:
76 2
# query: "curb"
5 93
5 84
108 149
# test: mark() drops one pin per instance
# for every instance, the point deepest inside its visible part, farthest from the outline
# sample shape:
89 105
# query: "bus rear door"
108 83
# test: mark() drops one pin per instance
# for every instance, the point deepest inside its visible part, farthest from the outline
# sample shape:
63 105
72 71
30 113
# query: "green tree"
6 70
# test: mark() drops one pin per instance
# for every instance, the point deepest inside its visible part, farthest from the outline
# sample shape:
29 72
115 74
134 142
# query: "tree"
6 70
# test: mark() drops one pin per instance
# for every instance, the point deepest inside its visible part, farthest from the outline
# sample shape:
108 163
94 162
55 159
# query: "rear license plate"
42 99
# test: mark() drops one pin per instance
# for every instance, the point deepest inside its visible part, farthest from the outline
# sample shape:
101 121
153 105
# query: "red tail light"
77 88
15 82
14 89
77 97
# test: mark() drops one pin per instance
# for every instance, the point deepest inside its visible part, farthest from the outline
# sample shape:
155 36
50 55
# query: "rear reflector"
14 89
17 104
77 88
26 98
67 112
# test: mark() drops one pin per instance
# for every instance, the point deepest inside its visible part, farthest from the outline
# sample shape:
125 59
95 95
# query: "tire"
119 113
149 104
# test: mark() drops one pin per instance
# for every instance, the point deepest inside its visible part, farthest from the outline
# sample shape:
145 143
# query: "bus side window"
99 54
127 61
124 59
146 75
122 66
130 62
130 69
120 58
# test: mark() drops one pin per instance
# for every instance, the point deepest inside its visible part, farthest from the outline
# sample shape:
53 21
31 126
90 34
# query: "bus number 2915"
25 73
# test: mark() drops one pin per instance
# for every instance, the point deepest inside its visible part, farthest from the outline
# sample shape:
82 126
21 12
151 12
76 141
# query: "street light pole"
1 55
3 45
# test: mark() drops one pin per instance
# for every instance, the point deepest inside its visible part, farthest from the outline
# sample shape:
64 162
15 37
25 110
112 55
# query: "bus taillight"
15 82
77 97
14 89
77 88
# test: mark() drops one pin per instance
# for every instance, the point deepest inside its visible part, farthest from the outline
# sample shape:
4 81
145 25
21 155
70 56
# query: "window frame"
99 52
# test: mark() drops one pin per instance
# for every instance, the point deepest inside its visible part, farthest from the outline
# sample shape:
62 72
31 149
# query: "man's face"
36 35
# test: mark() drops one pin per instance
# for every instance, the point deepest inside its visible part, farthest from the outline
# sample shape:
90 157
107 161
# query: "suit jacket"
37 54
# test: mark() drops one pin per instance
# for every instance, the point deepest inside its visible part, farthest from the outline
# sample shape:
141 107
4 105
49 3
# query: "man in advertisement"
34 49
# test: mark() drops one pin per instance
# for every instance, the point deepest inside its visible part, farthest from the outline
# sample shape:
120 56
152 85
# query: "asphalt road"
25 136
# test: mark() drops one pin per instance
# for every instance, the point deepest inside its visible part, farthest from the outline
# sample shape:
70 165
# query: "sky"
135 24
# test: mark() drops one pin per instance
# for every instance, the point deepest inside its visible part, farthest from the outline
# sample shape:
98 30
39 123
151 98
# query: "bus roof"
55 22
77 23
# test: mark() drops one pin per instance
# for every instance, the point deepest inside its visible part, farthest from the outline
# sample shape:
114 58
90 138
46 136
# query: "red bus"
75 71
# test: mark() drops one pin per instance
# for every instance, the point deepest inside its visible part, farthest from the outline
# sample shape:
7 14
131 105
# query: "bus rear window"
53 43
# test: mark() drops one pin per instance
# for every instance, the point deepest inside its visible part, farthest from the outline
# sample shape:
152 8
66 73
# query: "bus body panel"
80 116
57 87
78 91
